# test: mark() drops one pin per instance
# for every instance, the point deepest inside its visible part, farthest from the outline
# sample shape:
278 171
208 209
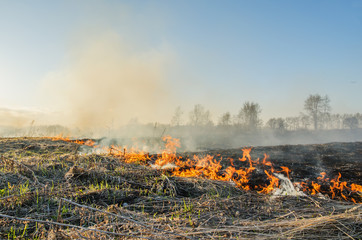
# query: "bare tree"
276 123
351 122
318 108
199 116
359 117
176 119
304 121
292 123
249 115
225 119
337 121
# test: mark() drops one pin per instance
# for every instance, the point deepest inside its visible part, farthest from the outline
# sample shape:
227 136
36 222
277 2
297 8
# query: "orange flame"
128 155
169 154
356 187
285 170
60 137
323 174
336 187
210 168
316 188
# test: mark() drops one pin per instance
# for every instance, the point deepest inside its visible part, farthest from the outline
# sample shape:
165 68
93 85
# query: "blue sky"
216 53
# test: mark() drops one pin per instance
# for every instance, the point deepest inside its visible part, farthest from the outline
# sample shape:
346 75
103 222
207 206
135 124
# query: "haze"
99 63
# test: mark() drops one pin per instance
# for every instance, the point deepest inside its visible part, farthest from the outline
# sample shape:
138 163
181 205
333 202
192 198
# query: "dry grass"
49 191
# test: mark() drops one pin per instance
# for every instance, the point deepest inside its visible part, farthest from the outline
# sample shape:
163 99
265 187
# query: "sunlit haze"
91 63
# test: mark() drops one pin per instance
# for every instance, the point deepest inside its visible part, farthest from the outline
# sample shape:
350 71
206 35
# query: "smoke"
18 118
106 82
10 117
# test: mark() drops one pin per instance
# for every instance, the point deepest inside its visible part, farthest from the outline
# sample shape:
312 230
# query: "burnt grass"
49 190
307 161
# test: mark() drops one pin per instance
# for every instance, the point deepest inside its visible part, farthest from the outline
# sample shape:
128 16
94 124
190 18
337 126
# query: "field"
54 189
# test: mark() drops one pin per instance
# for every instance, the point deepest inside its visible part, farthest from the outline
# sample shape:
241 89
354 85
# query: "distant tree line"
317 115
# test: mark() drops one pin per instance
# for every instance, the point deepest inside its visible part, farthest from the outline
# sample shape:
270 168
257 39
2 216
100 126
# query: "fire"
210 167
274 182
336 187
60 137
285 170
129 155
316 188
169 154
207 167
322 178
356 187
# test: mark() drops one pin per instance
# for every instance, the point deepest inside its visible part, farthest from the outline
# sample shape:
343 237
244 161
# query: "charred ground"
49 183
308 161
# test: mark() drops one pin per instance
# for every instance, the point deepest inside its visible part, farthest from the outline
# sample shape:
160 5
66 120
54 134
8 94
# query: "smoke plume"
107 82
15 118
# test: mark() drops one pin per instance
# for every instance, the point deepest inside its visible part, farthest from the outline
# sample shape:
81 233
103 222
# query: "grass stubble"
50 191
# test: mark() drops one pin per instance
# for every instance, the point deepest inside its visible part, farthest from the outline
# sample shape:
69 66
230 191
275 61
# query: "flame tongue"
209 167
252 174
87 142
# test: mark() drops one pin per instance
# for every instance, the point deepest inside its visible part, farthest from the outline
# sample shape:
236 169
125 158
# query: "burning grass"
49 190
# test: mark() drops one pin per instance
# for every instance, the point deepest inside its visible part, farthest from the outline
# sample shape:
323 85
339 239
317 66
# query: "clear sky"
215 53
